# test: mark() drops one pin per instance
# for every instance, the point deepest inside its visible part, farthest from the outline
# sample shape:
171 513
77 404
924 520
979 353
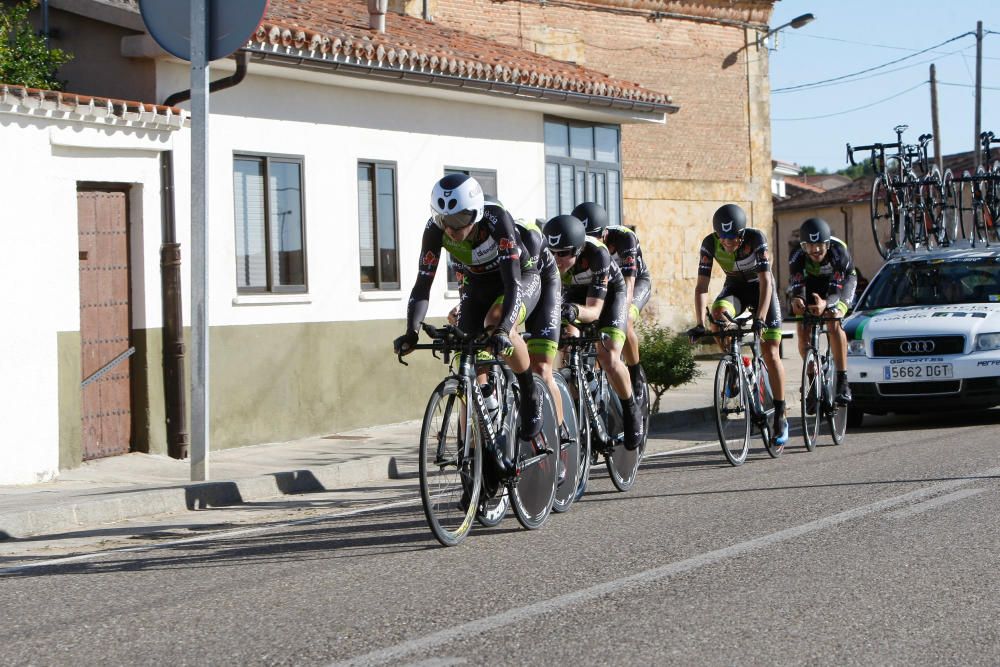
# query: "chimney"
376 14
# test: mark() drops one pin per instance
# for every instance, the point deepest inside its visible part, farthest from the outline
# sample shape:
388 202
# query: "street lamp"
795 23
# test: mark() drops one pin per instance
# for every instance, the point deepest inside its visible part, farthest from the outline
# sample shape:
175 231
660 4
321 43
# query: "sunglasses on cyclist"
458 220
814 247
563 252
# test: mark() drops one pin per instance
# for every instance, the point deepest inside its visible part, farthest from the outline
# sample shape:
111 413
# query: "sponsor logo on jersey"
506 244
430 259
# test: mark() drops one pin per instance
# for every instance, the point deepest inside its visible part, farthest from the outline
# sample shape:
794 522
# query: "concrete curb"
662 421
191 497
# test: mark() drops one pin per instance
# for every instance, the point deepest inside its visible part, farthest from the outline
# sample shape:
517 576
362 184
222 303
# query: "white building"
321 162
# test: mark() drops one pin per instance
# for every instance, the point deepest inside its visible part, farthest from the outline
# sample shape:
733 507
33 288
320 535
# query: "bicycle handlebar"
448 338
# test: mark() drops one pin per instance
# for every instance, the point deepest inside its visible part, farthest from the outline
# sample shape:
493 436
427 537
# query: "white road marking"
919 508
394 654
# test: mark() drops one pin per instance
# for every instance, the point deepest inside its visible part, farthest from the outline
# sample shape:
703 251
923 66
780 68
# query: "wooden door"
105 322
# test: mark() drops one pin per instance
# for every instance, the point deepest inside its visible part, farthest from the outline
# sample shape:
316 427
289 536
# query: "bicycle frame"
581 366
749 375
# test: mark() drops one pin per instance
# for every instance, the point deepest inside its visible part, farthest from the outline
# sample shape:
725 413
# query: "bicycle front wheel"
812 377
533 491
451 465
623 465
883 217
732 413
569 452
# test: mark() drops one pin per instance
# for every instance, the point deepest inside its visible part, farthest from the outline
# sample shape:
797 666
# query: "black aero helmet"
565 232
814 230
729 221
593 216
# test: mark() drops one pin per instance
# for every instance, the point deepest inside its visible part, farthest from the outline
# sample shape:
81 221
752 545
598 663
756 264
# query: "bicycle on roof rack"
906 210
977 198
458 433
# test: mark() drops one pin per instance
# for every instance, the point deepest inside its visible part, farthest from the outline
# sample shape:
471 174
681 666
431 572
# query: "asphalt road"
881 551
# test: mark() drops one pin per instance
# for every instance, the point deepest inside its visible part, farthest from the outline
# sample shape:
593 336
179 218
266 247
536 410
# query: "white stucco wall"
44 159
332 128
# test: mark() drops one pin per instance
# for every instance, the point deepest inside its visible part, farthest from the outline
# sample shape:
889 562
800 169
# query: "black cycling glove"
500 343
404 344
570 311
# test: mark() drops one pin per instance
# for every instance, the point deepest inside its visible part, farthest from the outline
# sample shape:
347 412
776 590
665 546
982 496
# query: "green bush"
24 59
667 357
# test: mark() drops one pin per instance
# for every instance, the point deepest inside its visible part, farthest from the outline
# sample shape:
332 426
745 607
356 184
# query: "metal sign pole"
199 240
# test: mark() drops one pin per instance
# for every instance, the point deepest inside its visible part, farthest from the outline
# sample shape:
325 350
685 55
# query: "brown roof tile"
88 105
339 29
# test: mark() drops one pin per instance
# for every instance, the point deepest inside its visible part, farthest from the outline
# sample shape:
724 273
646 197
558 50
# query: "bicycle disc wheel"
812 407
623 465
569 453
533 491
732 415
883 218
451 465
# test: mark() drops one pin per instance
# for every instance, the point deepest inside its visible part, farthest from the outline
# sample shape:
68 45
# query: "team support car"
925 335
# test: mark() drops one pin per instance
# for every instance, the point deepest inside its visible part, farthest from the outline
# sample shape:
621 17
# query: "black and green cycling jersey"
748 260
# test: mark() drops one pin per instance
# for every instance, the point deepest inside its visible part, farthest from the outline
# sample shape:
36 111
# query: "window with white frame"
582 163
377 225
270 224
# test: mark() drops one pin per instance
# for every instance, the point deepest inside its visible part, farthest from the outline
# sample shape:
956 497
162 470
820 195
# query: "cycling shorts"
737 296
543 320
613 320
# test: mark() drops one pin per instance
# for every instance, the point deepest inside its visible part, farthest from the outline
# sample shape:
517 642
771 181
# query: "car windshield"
934 282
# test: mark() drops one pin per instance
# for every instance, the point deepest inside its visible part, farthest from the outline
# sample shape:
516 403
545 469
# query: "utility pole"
979 91
935 125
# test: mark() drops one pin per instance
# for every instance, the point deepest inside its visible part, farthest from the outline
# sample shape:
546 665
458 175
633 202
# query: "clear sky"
849 36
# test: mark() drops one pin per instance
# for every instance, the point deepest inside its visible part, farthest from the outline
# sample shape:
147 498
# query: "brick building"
715 150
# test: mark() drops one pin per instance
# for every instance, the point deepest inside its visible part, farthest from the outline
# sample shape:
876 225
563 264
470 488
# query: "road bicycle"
817 391
742 391
458 434
599 412
906 210
978 197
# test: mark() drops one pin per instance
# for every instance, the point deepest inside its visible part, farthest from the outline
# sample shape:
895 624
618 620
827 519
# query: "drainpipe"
45 22
242 59
376 14
848 224
178 441
427 10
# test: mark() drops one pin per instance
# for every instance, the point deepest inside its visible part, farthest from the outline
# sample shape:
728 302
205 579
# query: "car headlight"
856 348
987 341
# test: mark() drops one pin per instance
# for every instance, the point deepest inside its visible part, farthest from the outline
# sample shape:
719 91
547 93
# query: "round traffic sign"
231 22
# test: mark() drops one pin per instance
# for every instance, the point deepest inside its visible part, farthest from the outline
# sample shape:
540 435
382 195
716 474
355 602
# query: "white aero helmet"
457 201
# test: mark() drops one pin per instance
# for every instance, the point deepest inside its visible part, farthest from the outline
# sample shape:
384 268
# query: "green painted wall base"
267 383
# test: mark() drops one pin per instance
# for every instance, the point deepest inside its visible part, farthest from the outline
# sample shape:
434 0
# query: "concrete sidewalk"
137 485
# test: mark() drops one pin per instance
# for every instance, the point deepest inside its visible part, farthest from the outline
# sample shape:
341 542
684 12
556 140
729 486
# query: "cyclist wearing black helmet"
623 244
482 239
594 290
823 280
742 253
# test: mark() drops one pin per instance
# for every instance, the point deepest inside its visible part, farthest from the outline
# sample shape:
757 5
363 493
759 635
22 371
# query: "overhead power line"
812 84
847 111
